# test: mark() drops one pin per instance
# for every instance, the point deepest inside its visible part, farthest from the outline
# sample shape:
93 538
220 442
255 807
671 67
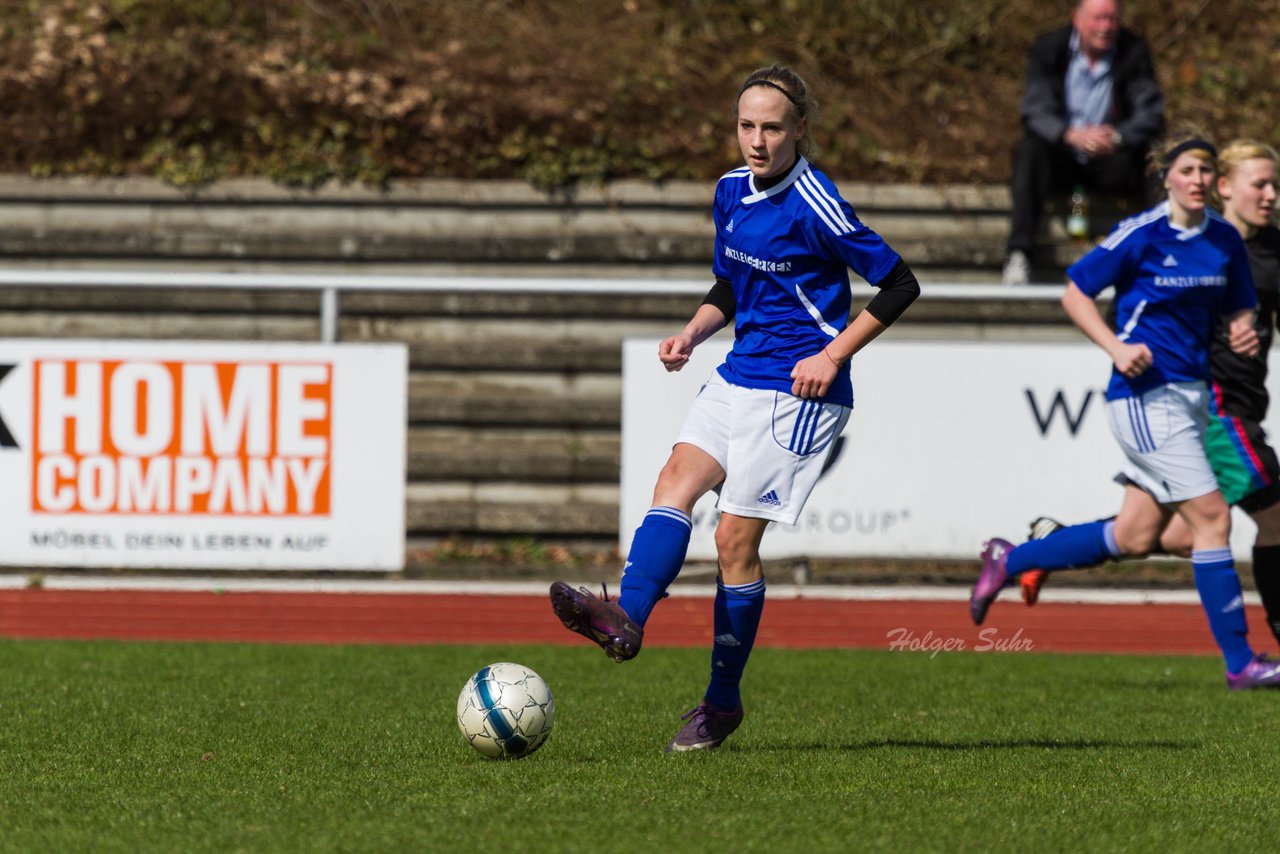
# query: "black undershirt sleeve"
896 291
721 296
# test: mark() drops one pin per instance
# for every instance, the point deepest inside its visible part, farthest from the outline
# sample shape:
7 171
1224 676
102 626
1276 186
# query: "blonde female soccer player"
764 423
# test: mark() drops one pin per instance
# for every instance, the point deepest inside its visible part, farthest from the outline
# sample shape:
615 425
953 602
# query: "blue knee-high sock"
1219 588
737 616
1067 548
657 553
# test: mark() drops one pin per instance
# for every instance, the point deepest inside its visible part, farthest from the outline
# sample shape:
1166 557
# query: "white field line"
851 593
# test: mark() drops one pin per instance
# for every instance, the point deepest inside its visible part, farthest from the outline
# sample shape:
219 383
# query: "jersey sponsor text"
1212 281
758 263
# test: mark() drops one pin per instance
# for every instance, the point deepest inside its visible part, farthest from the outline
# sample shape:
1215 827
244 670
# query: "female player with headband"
765 422
1178 270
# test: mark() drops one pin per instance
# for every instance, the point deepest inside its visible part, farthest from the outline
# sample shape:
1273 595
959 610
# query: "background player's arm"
675 351
1130 359
1242 337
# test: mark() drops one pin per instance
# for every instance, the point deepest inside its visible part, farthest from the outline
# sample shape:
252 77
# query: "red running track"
413 618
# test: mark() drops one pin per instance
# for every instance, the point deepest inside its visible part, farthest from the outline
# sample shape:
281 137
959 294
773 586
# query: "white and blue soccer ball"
505 711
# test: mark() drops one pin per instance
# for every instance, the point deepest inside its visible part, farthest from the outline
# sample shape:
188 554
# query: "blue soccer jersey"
787 251
1172 288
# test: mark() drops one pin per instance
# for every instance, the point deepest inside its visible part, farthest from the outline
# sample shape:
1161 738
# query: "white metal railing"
331 285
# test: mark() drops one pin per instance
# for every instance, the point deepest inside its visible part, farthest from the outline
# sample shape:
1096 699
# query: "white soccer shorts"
1162 435
771 445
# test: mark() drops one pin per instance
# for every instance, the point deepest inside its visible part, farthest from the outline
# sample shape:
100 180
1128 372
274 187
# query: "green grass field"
183 747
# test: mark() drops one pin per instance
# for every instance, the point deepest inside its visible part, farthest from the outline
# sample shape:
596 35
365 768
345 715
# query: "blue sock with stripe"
657 554
737 613
1067 548
1223 603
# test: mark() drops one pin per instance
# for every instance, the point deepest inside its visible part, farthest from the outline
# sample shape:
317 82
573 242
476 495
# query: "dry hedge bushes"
558 91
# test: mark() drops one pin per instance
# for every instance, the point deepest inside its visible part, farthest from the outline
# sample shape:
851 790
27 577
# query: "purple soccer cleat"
706 728
993 579
1262 672
599 620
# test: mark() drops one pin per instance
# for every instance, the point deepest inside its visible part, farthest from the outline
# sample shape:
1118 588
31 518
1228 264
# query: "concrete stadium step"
441 221
511 508
514 453
511 344
501 399
168 326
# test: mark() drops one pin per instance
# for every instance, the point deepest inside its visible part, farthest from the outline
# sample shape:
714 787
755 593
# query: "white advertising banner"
202 455
949 443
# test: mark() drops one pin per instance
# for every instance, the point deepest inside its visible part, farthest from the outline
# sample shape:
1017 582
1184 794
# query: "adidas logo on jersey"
770 498
1169 261
729 228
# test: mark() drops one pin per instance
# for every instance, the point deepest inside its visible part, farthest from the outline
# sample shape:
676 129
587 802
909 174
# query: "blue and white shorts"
771 445
1162 436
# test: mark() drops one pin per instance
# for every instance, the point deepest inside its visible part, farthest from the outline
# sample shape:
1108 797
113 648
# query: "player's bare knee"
738 557
1137 541
1176 544
1208 519
676 487
731 545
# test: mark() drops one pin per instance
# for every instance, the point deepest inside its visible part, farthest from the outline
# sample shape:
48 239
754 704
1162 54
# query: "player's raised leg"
1067 548
657 553
1133 532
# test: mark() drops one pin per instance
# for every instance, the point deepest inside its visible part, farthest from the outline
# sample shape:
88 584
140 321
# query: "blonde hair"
1239 150
1159 159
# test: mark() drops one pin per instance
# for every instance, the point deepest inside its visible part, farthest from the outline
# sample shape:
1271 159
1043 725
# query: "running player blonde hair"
1239 150
1185 138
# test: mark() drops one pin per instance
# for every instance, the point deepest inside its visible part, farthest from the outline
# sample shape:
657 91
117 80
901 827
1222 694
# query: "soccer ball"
505 711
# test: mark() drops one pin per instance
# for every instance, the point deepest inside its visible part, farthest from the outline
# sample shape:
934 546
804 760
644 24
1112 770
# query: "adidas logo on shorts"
771 498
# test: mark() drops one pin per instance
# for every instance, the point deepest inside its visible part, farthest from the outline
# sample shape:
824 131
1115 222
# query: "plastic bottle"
1078 218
